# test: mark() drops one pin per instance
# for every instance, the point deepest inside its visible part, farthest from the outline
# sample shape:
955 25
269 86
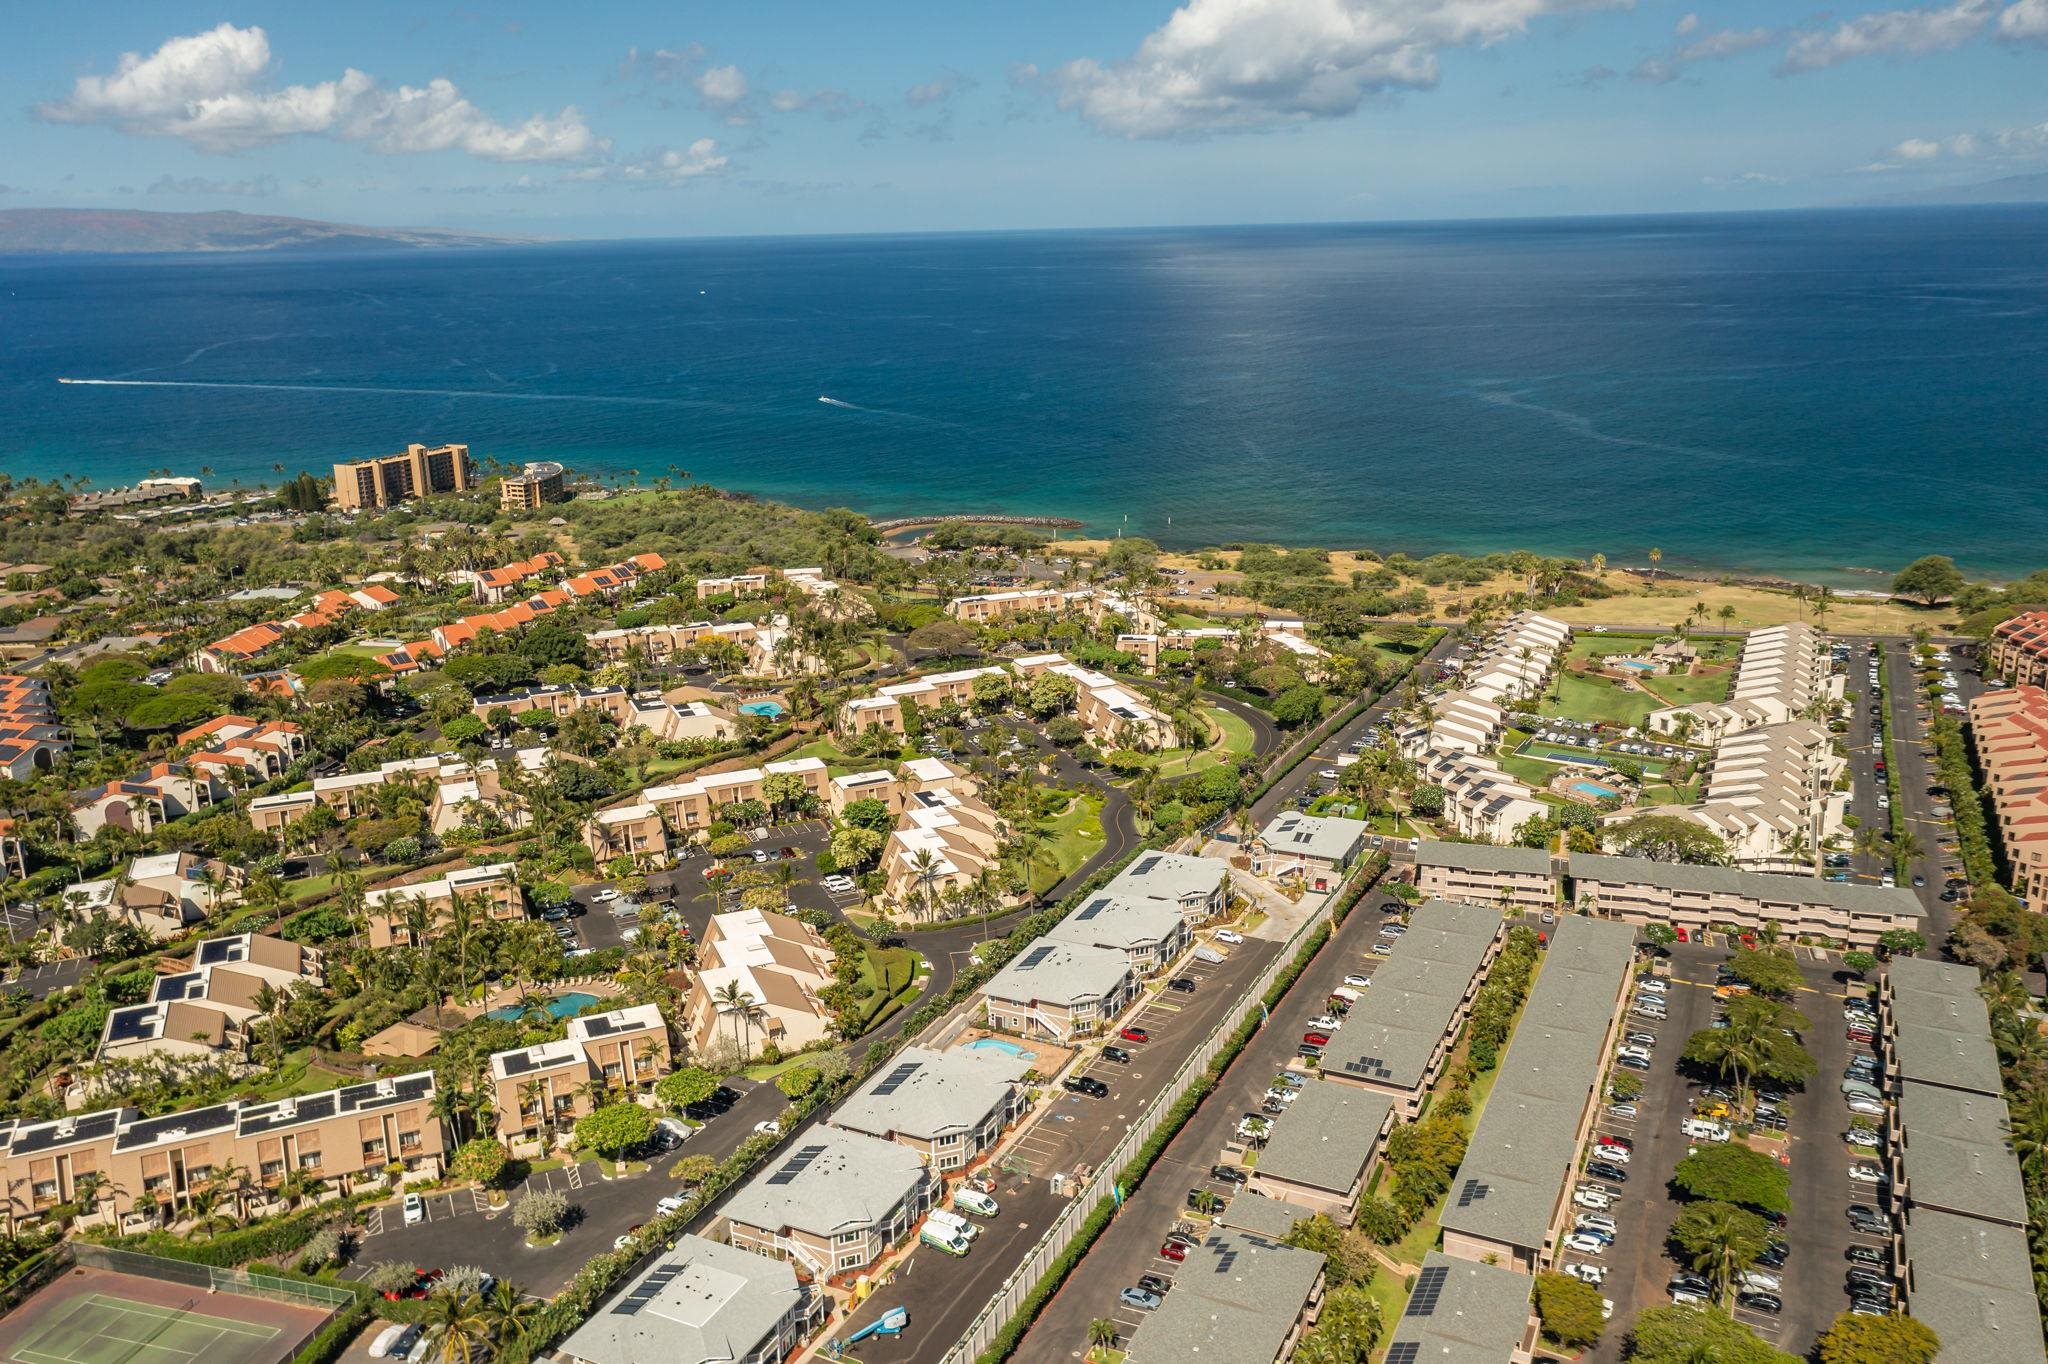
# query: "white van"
976 1202
1700 1129
939 1238
954 1223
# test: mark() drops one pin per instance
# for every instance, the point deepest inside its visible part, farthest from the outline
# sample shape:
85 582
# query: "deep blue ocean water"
1813 393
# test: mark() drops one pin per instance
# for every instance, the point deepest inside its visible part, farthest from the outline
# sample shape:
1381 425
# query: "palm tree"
509 1311
1721 1239
462 1322
924 865
1101 1333
2030 1136
738 1005
1656 558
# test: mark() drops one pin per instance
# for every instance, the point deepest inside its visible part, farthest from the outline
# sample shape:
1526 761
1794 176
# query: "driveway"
40 982
461 1227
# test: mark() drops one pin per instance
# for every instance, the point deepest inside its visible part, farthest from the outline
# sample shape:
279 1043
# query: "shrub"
540 1213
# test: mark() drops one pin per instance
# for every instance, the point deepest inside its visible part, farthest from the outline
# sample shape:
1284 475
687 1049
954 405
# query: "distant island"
127 231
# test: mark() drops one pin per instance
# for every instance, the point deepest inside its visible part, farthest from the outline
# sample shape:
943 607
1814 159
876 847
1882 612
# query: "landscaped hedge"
276 1240
333 1338
1966 798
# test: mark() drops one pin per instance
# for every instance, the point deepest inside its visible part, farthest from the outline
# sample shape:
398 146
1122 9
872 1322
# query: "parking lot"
40 982
1069 1135
1131 1247
1816 1236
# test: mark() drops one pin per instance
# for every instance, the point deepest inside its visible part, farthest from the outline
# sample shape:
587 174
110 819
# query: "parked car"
1086 1084
1761 1302
1157 1284
1174 1251
672 1203
1325 1023
381 1346
1228 1174
1585 1244
1607 1170
1229 935
1869 1255
1865 1173
1622 1110
1116 1054
1358 982
415 1209
1182 984
1316 1039
1134 1034
1140 1299
1585 1273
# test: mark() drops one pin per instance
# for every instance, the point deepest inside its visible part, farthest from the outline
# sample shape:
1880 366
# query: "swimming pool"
1636 665
561 1006
1595 790
1010 1049
770 709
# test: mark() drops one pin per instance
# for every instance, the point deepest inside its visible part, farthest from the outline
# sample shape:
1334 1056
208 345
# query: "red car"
1135 1035
1174 1250
1316 1039
423 1283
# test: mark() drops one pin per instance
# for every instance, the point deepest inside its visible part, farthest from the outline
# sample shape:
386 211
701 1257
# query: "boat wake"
834 402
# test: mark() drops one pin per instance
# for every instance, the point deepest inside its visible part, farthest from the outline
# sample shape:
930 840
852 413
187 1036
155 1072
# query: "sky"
613 118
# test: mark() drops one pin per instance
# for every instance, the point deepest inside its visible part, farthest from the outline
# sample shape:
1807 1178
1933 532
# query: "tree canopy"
1669 838
1932 579
1570 1310
1878 1340
1729 1173
1688 1335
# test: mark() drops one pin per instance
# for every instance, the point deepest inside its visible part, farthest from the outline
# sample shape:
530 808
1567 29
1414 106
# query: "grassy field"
1597 699
1235 741
1529 771
1692 687
1072 837
836 761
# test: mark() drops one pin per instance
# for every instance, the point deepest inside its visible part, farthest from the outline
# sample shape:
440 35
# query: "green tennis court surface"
102 1329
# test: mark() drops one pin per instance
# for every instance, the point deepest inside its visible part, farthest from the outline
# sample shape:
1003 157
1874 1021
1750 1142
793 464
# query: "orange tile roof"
379 593
249 641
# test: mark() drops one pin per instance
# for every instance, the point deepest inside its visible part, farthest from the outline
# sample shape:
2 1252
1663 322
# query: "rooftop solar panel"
132 1024
1143 865
1472 1192
895 1079
798 1163
1404 1352
1033 957
647 1290
1429 1286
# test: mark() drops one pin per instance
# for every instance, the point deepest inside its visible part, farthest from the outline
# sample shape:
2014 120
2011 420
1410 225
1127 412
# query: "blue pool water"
1637 666
561 1006
771 709
1594 789
991 1044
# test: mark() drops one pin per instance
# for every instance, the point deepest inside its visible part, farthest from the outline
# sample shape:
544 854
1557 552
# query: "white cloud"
662 166
2026 21
662 64
1917 149
832 105
937 91
254 186
2007 144
1874 168
1746 180
721 87
1239 65
213 90
1901 32
1717 46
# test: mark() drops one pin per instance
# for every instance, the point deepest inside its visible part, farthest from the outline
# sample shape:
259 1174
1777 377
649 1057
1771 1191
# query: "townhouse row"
1691 899
225 654
2018 650
1959 1247
1783 673
764 648
1096 604
31 739
2010 732
662 719
205 1007
515 615
452 785
1287 636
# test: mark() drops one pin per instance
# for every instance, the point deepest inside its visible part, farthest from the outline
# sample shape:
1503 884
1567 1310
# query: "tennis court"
95 1317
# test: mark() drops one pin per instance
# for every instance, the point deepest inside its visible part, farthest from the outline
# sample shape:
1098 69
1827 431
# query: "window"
156 1183
849 1238
197 1174
408 1141
271 1169
373 1150
45 1190
309 1160
950 1162
850 1262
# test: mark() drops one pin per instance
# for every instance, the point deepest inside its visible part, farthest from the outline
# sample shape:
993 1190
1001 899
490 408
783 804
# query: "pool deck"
1047 1058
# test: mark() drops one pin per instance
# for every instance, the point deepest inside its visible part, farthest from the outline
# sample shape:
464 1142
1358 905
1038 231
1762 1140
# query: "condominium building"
1397 1038
146 1169
1480 799
757 977
1515 662
143 800
258 750
1694 899
162 895
950 1107
1060 990
896 789
546 1087
1321 1155
1094 603
693 805
2010 731
1150 933
451 784
885 708
1770 794
761 648
31 739
1464 1312
1312 849
1111 712
662 720
533 487
493 890
701 1302
634 831
1510 1197
1197 886
2019 650
1458 722
390 479
494 585
1784 671
206 1008
1236 1297
833 1202
1289 637
1480 874
943 841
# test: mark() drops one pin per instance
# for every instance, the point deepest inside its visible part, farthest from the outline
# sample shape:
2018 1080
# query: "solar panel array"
1369 1065
1092 908
215 950
132 1025
1144 865
895 1079
1472 1192
1225 1261
647 1290
1404 1352
599 1025
797 1164
1429 1286
1033 957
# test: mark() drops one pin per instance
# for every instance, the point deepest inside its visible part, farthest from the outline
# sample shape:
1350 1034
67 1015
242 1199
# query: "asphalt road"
1130 1245
944 1294
460 1229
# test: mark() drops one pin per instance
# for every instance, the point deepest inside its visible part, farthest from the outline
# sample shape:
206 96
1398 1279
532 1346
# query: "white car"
1617 1155
386 1338
1229 935
415 1209
1757 1281
1592 1198
1282 1094
1595 1221
628 1241
1592 1274
1359 982
768 1129
1328 774
1393 930
1856 1136
673 1203
1326 1023
605 896
1681 1298
1584 1244
1867 1108
1653 986
1623 1110
1866 1173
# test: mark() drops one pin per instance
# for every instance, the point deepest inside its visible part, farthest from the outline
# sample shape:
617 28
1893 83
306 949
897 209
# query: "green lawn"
1529 771
1237 741
1596 699
1184 620
1398 658
298 1075
837 761
1659 793
1072 837
1684 691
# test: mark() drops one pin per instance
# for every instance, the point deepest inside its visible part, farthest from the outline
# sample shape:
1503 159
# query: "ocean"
1821 395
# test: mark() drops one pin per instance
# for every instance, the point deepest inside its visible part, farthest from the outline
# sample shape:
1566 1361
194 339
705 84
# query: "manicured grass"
1658 793
1184 620
298 1075
889 971
1596 699
790 1062
837 761
1529 771
1072 837
1236 741
1692 687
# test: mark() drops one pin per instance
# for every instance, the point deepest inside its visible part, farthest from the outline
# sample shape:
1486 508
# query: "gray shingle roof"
699 1303
1479 1314
1881 901
1956 1151
1234 1300
1326 1135
1482 857
1271 1218
1526 1143
1107 920
1169 876
829 1182
1327 838
1973 1285
1059 973
931 1094
1391 1033
1941 1028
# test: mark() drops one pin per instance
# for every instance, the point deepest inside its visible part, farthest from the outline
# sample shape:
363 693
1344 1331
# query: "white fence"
981 1333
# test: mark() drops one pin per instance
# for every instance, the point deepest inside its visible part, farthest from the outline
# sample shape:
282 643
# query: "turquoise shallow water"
1814 394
